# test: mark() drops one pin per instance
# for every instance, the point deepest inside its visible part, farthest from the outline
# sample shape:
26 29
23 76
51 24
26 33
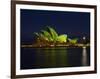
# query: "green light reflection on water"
52 57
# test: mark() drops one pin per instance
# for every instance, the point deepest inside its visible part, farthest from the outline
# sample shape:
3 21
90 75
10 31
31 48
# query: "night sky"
74 24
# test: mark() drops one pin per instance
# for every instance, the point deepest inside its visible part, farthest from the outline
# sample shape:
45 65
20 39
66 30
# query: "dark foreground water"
33 58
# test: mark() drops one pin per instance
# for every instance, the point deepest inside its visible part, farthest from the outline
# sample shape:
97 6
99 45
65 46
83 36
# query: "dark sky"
71 23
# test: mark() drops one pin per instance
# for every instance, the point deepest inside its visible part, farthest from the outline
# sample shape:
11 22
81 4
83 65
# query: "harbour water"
36 58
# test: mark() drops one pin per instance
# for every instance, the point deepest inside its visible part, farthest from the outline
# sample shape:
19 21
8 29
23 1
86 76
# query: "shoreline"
52 46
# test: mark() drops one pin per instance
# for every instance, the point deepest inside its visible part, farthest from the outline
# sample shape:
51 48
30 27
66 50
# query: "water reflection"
84 57
32 58
51 57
